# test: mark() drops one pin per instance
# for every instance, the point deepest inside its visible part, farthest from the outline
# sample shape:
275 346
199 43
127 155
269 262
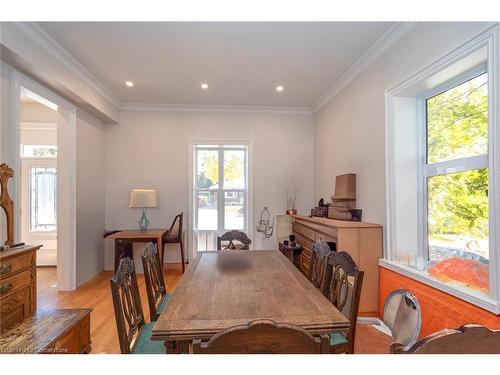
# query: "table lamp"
143 198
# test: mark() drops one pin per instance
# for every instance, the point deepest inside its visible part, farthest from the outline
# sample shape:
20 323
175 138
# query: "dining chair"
234 235
134 335
155 283
262 337
344 292
467 339
176 235
402 315
318 270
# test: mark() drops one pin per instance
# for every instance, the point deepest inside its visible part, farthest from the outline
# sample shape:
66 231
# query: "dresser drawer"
15 282
304 231
304 265
14 264
14 308
307 245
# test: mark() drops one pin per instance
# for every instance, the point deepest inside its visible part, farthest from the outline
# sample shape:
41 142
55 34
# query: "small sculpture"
265 225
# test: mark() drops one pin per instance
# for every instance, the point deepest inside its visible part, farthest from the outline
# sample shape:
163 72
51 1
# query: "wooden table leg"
172 347
123 249
159 244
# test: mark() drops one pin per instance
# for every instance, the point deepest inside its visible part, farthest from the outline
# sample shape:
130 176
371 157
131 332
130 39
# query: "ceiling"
241 62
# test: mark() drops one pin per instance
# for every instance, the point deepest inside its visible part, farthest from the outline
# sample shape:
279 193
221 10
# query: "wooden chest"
363 241
17 285
60 331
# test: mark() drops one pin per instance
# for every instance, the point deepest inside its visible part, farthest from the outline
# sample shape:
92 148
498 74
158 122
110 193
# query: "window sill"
475 299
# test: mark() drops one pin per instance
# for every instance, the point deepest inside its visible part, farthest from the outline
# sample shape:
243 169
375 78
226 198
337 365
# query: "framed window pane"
43 210
207 169
38 151
458 229
457 121
234 210
207 210
234 169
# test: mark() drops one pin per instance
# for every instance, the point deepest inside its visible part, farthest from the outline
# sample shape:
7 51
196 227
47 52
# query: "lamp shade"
142 198
345 186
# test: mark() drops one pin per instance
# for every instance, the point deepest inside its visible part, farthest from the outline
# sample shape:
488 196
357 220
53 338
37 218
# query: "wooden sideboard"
17 285
363 241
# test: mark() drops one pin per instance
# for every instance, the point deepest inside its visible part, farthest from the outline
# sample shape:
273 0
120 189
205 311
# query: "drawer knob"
5 288
5 268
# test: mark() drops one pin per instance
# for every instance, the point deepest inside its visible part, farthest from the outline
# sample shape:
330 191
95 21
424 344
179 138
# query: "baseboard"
46 257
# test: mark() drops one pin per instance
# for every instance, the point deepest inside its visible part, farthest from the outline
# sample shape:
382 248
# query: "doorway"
38 149
44 162
220 198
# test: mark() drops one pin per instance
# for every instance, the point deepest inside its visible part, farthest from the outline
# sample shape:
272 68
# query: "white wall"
349 132
90 180
150 150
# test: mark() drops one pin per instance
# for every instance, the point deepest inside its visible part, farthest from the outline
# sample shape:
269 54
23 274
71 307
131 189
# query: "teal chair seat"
337 339
163 303
147 346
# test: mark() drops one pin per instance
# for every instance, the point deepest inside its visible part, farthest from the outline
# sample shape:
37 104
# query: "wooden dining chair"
318 271
344 292
262 337
234 235
403 317
155 283
176 235
134 335
467 339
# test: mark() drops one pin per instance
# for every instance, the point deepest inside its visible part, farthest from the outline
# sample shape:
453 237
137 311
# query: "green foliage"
458 127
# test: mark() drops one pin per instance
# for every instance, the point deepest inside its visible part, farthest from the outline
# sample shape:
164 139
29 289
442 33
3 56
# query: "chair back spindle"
153 276
344 291
127 305
234 235
263 337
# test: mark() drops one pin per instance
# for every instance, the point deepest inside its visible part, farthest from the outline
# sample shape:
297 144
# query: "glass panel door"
220 192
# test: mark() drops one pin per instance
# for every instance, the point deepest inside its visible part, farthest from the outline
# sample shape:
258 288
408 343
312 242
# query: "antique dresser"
17 285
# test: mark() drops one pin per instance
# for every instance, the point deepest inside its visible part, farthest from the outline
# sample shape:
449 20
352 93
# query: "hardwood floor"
96 294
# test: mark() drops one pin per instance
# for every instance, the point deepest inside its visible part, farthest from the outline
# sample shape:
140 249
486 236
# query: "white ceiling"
241 62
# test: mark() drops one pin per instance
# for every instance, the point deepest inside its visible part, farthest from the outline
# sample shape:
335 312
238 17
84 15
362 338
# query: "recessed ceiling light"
279 88
129 83
204 86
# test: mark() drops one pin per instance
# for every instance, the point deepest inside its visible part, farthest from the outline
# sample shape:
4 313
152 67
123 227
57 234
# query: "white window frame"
488 38
192 190
427 170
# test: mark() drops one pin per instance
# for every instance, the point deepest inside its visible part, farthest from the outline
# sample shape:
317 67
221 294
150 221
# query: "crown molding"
38 36
388 39
146 107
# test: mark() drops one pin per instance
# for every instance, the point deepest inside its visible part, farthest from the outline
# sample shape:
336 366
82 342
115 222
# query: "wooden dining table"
222 289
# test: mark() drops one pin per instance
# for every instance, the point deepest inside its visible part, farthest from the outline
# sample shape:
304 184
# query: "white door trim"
66 181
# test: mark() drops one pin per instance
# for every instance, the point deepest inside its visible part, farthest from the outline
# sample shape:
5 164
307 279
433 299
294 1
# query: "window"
443 185
38 151
456 180
43 205
221 192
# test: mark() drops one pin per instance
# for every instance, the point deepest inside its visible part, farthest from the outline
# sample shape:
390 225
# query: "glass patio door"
220 192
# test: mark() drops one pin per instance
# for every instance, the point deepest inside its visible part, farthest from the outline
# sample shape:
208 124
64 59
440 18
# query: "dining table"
223 289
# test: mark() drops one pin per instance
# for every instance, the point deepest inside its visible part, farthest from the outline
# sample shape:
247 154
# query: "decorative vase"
144 221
